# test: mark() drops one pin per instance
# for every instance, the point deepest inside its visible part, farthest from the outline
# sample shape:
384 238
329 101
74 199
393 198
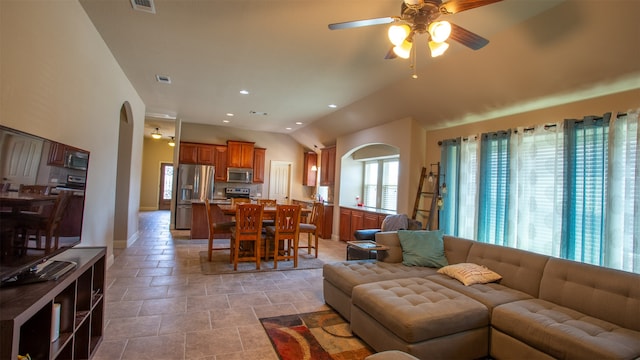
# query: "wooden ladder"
429 193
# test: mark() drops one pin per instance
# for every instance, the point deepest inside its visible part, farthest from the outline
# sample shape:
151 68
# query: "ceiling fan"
419 17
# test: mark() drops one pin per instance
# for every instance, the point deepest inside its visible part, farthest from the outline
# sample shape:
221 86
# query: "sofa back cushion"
456 249
607 294
520 270
389 239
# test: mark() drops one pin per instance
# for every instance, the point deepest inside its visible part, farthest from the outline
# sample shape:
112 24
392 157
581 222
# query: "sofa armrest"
366 234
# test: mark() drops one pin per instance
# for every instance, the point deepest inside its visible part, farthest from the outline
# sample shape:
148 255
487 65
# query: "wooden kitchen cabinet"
354 219
327 222
220 156
194 153
328 166
259 158
309 177
240 154
56 154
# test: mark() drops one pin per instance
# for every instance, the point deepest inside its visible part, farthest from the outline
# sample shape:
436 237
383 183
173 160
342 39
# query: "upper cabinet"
220 156
193 153
328 166
240 154
259 158
310 169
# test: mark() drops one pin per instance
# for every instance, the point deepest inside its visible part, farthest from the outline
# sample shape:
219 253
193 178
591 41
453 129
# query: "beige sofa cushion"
345 275
565 333
607 294
389 239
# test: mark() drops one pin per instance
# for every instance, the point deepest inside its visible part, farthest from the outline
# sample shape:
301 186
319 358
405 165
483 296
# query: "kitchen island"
199 225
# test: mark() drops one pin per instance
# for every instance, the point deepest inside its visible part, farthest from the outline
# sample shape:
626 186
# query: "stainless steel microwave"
240 175
76 160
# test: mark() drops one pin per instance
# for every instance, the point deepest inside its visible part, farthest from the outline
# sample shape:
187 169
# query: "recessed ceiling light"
229 114
333 106
226 121
298 123
288 128
244 92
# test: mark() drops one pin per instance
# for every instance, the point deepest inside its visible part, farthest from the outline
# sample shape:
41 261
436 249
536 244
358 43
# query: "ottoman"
420 317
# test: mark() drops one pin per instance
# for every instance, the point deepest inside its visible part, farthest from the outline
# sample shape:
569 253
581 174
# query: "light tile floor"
159 305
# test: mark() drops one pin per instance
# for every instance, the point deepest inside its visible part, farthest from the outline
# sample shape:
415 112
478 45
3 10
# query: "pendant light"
156 134
172 143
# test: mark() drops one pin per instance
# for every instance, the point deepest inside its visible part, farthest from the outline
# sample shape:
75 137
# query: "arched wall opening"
123 176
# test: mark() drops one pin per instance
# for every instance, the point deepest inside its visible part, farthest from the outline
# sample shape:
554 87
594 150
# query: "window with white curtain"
535 199
570 190
380 185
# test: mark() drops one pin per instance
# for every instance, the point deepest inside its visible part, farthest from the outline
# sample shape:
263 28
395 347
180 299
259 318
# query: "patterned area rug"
314 336
220 263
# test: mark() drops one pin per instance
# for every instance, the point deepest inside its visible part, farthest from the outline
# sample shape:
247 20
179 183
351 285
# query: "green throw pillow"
422 248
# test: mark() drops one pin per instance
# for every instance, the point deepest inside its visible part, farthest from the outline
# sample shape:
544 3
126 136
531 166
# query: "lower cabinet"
61 319
355 219
199 224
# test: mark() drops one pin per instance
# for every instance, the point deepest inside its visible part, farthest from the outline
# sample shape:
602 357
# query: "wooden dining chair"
36 226
283 235
224 227
312 227
34 189
246 232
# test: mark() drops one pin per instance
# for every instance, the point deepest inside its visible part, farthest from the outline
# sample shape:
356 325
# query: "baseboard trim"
123 244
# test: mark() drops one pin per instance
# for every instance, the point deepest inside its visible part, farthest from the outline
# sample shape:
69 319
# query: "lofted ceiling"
541 53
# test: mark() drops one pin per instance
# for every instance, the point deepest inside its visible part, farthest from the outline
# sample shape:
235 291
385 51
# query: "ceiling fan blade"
456 6
360 23
467 38
390 55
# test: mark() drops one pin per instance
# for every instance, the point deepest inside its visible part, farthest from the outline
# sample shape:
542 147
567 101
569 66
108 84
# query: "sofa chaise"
541 308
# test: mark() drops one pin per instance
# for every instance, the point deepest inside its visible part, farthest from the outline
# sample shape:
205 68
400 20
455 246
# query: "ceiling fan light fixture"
440 31
156 134
437 48
398 33
403 50
414 2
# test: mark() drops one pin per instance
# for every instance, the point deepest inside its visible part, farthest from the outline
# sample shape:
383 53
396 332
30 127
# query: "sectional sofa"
542 308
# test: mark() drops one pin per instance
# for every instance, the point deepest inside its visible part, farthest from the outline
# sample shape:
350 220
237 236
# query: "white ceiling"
540 51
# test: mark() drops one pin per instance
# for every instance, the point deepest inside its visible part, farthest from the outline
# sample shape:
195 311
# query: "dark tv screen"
27 160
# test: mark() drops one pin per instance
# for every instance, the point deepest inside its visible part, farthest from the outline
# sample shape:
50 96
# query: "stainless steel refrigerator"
195 183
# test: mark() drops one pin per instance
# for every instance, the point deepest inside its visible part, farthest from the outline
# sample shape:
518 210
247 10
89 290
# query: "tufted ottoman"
420 317
340 278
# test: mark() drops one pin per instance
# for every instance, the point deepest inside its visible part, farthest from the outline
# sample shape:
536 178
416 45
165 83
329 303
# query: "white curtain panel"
468 189
622 223
536 189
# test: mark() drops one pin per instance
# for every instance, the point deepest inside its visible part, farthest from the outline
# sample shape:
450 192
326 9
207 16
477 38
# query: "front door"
280 181
166 186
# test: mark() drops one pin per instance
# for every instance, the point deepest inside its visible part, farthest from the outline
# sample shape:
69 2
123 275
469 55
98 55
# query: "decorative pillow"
469 273
422 248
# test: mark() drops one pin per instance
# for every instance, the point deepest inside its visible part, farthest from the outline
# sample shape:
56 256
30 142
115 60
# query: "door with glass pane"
166 186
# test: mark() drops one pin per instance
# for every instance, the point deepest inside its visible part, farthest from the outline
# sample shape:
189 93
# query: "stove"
74 182
237 192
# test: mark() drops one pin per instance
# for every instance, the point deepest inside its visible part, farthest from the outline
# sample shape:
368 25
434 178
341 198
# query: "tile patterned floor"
159 305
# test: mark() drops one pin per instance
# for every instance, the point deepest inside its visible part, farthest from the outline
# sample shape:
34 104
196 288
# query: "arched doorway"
123 177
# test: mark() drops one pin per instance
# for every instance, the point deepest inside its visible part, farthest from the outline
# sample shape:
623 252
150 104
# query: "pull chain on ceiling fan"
419 17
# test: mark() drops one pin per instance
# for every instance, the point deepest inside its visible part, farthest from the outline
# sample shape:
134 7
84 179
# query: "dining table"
269 212
16 201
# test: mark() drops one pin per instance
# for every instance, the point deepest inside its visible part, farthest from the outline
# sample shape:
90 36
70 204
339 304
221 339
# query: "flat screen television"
26 159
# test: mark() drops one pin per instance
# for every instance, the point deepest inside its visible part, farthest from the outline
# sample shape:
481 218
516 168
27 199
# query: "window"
567 190
494 188
380 187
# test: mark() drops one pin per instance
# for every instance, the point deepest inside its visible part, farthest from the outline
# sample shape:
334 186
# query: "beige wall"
154 153
280 147
611 103
59 80
404 134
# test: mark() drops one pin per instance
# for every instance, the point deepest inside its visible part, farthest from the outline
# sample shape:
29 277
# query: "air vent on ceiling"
163 79
144 5
261 113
